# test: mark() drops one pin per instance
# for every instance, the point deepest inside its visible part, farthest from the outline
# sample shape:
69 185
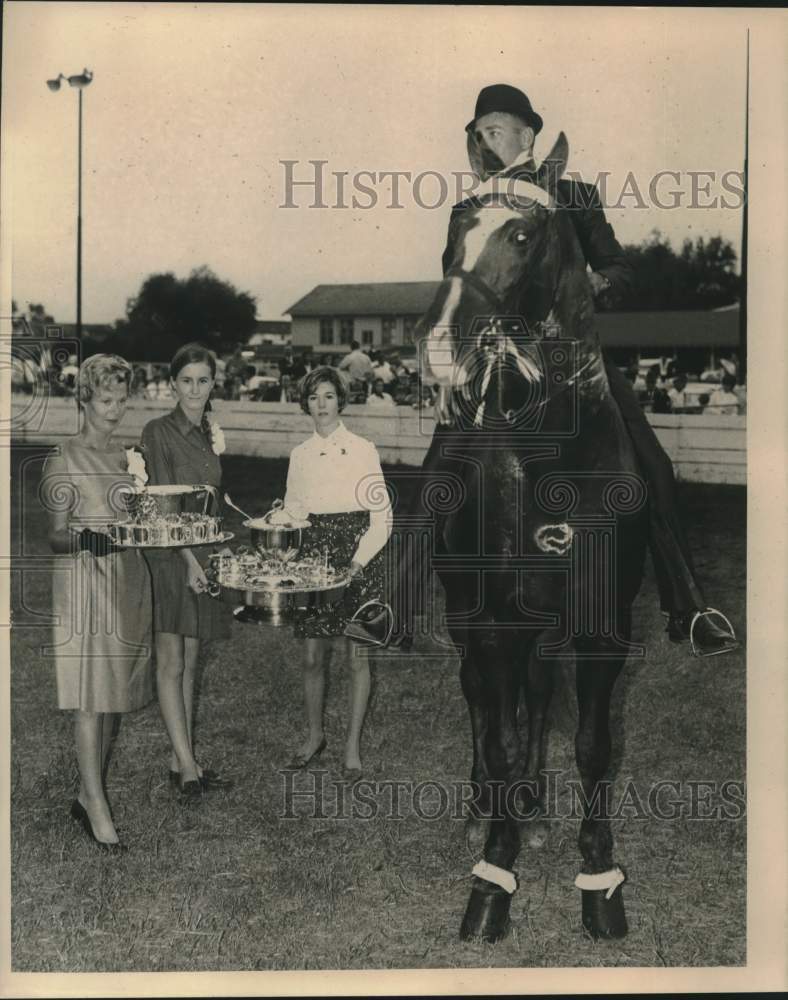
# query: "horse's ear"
554 164
475 157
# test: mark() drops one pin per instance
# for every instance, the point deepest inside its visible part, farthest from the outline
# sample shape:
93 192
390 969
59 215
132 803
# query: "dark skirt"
340 534
176 608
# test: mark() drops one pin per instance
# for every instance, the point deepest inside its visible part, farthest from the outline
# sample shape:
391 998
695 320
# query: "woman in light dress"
102 638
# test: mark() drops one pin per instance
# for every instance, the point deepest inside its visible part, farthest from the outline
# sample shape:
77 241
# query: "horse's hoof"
604 918
487 915
476 832
535 834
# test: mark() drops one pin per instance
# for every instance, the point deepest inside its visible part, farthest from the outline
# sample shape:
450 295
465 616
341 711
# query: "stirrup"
366 637
702 614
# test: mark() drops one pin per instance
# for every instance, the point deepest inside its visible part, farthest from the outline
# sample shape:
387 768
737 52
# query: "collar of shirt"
525 159
182 422
337 440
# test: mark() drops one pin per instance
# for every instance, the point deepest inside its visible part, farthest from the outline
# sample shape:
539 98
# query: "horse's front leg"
487 913
599 879
538 688
479 805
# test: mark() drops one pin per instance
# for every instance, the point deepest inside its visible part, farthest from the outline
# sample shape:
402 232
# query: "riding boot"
681 596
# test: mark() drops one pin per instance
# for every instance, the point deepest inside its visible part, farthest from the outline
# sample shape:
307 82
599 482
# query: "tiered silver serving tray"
278 591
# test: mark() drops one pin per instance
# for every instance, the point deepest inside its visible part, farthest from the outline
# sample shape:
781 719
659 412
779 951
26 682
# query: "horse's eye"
520 237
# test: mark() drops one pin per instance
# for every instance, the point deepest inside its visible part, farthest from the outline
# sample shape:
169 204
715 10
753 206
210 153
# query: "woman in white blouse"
336 476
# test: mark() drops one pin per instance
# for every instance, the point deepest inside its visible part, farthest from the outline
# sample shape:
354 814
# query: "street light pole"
80 81
79 225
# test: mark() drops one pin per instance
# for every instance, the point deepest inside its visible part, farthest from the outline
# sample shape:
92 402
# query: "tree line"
701 275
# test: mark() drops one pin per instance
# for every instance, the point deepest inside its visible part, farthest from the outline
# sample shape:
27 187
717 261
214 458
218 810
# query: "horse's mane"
574 301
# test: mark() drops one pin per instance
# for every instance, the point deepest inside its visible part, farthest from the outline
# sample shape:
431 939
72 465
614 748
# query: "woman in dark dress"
336 477
183 448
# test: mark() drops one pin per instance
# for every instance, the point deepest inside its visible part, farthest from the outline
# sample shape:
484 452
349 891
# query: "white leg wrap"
604 880
498 876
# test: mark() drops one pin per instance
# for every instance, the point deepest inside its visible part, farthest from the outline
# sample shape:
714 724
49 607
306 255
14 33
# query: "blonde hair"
101 370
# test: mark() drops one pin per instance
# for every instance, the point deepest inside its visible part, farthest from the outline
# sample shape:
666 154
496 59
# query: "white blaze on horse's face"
440 352
488 221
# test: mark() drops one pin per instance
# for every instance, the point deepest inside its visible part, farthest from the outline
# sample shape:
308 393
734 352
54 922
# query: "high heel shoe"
80 814
300 761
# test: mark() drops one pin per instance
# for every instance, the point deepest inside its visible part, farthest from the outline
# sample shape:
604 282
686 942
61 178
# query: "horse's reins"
527 367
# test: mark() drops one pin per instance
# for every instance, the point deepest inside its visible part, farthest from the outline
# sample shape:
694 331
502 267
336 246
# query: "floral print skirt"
339 534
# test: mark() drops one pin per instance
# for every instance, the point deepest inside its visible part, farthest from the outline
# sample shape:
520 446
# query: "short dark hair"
309 383
728 381
192 354
354 345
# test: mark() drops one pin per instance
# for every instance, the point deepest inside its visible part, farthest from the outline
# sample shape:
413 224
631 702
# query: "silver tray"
254 597
279 605
220 540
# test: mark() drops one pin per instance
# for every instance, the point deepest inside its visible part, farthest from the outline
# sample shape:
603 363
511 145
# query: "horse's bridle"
480 285
495 328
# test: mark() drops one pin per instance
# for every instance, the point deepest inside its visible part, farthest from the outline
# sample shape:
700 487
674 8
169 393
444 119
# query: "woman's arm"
294 490
158 461
375 498
59 497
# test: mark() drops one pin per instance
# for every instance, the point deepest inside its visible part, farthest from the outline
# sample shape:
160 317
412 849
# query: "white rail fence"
704 449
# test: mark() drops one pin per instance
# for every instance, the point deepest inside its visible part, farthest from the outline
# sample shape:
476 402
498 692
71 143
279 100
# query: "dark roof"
277 326
389 298
680 328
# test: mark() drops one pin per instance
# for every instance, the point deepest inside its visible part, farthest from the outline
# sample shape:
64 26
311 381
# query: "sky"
193 108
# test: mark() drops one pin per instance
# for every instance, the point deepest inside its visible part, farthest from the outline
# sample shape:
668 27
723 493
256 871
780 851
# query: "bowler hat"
502 97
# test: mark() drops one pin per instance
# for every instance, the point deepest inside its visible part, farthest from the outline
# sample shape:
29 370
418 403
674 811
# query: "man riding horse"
500 142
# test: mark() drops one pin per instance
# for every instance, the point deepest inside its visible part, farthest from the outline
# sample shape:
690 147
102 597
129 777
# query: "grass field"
233 885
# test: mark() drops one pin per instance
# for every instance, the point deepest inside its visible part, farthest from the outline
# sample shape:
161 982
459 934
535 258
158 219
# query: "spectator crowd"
672 392
375 380
381 381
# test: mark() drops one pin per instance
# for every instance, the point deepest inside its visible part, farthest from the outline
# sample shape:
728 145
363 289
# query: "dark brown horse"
544 551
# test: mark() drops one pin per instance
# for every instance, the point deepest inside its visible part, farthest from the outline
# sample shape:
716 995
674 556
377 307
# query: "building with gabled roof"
384 315
376 314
